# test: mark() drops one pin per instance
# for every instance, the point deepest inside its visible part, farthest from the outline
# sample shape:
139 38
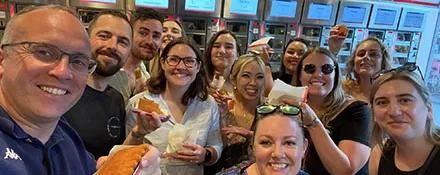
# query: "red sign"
434 3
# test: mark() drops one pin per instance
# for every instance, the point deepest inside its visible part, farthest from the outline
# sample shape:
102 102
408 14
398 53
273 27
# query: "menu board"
161 4
414 19
354 14
101 1
320 11
244 7
385 17
200 5
283 8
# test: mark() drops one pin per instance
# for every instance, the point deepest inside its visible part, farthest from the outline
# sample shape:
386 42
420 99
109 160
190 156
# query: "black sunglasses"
325 69
408 66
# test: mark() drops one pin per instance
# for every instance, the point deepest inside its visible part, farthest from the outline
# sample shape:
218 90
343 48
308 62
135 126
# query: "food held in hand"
124 161
343 30
223 92
149 106
137 73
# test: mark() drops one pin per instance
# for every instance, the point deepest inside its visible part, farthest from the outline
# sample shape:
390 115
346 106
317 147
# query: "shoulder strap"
429 160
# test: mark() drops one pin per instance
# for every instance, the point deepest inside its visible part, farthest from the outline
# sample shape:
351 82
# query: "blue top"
64 152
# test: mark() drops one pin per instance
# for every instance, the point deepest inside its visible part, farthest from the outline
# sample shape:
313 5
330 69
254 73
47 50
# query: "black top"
99 118
387 165
286 78
351 124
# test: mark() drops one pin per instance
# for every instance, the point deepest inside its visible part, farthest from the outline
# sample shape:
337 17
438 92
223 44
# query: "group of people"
68 95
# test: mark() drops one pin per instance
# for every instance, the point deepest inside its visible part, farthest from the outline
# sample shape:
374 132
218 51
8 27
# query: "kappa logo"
10 154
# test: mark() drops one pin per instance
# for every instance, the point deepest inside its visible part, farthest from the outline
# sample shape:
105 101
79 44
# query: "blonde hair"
238 66
385 64
378 134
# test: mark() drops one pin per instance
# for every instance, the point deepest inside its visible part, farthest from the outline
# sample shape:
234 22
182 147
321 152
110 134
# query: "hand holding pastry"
337 37
124 161
149 117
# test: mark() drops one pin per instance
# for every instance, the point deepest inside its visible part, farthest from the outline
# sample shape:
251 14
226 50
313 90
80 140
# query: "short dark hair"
209 66
145 14
197 89
111 13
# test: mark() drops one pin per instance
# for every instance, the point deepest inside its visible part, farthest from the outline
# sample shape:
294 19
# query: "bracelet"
314 122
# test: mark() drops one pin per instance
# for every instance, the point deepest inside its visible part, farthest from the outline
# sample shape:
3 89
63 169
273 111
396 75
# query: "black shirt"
99 118
351 124
387 164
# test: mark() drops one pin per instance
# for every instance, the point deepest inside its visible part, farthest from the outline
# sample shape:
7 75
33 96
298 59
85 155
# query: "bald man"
44 63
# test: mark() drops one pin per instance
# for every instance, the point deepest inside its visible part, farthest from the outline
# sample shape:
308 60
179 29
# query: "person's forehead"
317 58
53 26
369 45
113 24
151 24
182 50
171 24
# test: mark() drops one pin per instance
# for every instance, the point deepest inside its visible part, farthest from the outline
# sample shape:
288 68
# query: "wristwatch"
208 155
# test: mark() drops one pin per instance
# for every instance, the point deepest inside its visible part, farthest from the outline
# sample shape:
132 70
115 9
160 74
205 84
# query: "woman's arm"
346 158
352 152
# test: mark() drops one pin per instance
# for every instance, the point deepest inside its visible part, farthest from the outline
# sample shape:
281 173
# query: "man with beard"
147 32
99 116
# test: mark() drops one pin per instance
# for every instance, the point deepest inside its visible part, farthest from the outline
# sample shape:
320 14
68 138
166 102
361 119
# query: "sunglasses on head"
267 109
325 69
408 66
288 110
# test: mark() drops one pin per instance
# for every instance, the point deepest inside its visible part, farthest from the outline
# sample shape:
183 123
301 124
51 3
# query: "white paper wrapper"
281 89
178 136
257 46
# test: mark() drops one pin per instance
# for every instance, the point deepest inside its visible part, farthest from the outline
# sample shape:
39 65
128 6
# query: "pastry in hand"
343 30
124 161
137 74
149 106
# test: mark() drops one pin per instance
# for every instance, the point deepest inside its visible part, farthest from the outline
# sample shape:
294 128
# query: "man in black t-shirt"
99 116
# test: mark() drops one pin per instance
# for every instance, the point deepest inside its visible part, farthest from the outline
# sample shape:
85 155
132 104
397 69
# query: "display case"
243 9
199 8
319 12
385 16
354 14
281 11
167 7
412 20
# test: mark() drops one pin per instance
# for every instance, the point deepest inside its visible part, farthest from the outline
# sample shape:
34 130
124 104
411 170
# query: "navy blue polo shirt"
63 154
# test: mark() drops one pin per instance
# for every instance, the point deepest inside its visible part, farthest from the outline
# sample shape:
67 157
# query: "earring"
235 87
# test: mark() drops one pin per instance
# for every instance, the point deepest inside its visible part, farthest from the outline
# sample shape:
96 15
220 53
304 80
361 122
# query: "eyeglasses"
267 109
174 60
325 69
49 53
408 66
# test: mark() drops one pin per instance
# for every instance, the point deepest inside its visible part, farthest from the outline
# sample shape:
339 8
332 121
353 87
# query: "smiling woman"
369 57
339 144
180 90
278 144
404 121
247 77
